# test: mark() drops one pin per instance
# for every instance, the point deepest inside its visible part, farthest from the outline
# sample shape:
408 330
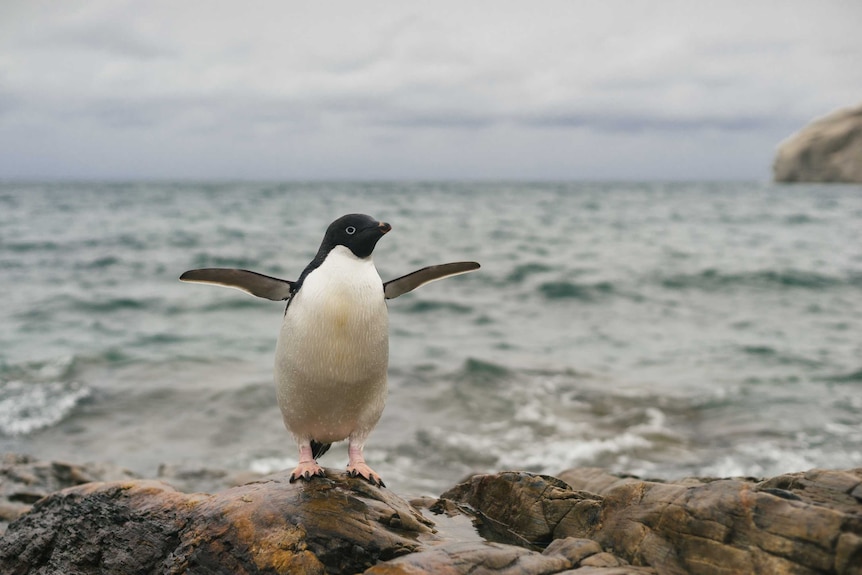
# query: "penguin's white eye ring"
350 230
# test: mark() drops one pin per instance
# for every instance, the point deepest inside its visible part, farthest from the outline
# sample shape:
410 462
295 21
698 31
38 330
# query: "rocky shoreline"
83 519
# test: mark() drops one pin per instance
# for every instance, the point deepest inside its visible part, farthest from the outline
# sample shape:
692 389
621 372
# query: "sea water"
659 329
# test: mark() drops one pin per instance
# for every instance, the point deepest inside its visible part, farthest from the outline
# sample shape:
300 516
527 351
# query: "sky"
331 90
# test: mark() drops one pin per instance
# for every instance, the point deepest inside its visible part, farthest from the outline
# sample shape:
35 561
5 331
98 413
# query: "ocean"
657 329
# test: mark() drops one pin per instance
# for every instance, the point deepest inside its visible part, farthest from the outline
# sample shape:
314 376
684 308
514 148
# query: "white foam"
28 407
267 465
563 454
55 369
765 458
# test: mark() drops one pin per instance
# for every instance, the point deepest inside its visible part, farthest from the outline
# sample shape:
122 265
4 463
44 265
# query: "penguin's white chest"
333 351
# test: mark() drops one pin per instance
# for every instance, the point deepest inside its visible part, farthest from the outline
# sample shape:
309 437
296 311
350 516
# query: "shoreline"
507 522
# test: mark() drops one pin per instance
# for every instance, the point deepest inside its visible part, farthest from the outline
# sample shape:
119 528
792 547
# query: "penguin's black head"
357 232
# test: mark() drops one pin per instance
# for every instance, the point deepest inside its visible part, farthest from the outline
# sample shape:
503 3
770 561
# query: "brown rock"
575 556
826 150
527 509
460 558
796 523
332 525
24 480
508 523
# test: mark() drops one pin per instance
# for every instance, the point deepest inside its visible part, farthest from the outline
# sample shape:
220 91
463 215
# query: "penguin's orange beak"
384 227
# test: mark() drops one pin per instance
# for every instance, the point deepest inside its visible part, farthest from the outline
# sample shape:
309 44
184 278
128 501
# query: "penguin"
332 353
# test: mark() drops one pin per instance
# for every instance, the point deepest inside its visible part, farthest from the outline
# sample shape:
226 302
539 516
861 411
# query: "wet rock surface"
583 521
528 510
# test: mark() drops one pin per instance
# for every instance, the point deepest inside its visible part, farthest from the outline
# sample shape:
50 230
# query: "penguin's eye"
350 230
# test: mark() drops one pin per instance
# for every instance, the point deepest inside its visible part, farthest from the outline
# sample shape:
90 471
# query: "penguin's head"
357 232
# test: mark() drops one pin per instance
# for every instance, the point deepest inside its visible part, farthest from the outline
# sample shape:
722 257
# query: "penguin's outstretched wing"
250 282
408 283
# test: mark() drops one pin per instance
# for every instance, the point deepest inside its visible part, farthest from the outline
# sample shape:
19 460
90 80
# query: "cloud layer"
557 89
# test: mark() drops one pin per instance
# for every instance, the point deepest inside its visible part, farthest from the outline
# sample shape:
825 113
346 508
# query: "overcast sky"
364 89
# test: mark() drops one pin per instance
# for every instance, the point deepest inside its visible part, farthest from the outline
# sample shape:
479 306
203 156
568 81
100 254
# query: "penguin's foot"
361 469
306 470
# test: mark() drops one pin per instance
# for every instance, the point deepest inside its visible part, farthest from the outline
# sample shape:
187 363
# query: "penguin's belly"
331 361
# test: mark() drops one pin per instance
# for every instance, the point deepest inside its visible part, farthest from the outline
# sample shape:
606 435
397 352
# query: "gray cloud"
105 39
238 84
651 122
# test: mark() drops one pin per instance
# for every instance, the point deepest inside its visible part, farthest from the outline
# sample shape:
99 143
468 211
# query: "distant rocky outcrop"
828 149
586 521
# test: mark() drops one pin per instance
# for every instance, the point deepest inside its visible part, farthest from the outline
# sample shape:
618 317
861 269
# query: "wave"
852 377
771 354
113 304
800 219
205 260
579 291
26 407
423 306
240 302
31 246
540 421
60 368
481 372
99 263
711 279
523 271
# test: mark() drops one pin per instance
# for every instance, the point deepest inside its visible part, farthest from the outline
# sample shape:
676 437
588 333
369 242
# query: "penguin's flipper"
408 283
250 282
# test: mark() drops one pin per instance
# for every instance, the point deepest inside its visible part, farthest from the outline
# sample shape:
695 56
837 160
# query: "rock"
797 523
807 522
587 521
469 554
24 480
336 524
826 150
526 509
572 556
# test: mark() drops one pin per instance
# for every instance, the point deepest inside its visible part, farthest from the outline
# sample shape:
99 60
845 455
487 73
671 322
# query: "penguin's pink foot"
360 469
306 470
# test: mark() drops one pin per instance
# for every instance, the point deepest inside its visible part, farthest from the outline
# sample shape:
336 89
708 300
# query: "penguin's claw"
306 470
362 470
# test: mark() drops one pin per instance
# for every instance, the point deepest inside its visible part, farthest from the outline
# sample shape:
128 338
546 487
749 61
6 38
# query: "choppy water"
657 329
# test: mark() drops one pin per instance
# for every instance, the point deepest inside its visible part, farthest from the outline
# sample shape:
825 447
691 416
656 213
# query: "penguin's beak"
383 227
